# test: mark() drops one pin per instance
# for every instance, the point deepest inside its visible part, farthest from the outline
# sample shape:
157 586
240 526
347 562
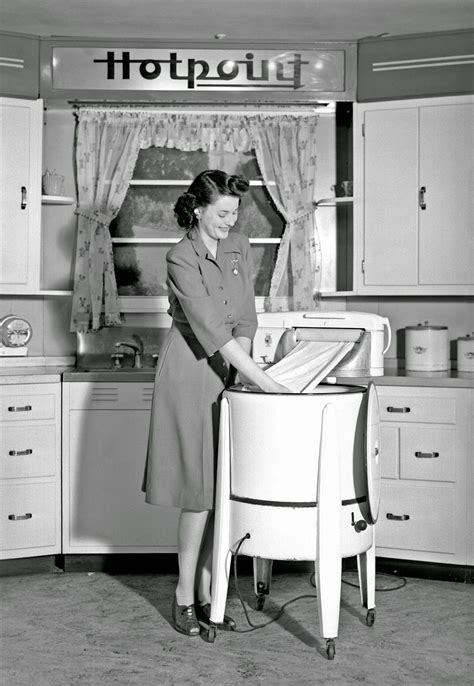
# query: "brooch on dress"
235 263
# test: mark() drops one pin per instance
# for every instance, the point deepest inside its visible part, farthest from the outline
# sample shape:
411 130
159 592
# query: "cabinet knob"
419 454
398 518
25 408
17 518
24 201
28 451
390 408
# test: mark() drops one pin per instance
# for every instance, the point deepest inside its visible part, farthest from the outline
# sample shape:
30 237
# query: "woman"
213 310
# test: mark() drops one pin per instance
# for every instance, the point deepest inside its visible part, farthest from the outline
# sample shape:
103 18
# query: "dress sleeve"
184 280
248 323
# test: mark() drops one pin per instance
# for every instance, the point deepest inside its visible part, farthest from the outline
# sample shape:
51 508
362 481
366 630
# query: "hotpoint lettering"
197 72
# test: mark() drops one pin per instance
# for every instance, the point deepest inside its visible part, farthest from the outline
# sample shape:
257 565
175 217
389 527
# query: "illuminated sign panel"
188 70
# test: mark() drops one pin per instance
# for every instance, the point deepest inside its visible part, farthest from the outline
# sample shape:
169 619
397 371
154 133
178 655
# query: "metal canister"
426 348
465 349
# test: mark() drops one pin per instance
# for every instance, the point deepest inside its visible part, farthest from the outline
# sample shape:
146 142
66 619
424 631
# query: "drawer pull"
390 408
418 454
25 408
28 451
398 518
17 518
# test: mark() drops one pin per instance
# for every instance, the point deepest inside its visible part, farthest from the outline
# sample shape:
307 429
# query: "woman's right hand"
272 386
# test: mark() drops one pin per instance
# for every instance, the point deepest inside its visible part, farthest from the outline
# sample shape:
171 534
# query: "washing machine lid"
372 453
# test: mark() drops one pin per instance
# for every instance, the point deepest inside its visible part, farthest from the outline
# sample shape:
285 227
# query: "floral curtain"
108 143
286 154
107 148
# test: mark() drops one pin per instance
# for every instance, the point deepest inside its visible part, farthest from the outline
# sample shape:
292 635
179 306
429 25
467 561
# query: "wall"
455 313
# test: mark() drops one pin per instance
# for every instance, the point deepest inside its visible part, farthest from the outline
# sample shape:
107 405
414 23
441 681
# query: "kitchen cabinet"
426 499
19 65
413 181
104 449
30 470
21 127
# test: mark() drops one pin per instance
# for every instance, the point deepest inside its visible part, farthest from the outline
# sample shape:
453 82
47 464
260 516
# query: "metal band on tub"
288 503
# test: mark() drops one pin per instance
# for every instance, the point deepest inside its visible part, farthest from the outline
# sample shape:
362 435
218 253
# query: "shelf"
253 241
332 202
57 200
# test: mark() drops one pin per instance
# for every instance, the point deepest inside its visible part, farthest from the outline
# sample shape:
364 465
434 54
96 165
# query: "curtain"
286 154
107 147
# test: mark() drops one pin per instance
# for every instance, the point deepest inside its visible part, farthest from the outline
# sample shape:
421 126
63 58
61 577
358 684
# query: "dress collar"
228 244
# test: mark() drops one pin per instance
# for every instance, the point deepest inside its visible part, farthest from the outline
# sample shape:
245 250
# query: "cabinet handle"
398 518
418 454
23 198
25 408
421 197
398 409
17 518
28 451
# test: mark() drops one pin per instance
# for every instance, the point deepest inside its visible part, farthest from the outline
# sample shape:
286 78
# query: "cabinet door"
446 157
390 197
20 195
104 507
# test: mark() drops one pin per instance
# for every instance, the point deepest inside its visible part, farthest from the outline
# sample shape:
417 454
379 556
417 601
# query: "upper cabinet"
413 190
19 65
21 130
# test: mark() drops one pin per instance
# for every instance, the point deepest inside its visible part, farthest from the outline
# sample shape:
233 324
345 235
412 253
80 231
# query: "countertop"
31 374
394 376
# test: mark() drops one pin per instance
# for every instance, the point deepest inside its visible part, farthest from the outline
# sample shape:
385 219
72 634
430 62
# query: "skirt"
183 438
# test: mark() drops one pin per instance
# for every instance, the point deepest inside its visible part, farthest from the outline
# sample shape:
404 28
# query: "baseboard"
167 563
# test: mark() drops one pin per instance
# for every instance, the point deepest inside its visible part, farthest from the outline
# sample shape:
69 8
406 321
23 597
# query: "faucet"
136 347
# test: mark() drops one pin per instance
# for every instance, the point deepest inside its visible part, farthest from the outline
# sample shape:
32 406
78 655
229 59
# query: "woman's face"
216 219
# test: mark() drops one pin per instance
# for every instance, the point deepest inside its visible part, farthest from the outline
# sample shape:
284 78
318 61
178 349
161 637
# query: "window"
145 226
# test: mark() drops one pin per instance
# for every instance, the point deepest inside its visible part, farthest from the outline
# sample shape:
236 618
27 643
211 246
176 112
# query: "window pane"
264 257
164 163
147 212
141 269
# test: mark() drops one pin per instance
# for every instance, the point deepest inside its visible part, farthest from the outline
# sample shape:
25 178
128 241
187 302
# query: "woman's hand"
272 386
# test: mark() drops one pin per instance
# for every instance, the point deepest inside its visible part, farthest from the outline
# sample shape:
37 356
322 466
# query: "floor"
94 628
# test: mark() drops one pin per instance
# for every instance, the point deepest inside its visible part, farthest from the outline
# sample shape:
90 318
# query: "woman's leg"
204 568
191 529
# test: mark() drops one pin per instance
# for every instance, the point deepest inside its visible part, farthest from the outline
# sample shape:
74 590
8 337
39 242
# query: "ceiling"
252 20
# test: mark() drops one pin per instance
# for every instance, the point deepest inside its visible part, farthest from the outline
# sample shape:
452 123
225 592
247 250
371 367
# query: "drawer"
389 451
25 407
420 518
28 516
427 454
431 410
27 451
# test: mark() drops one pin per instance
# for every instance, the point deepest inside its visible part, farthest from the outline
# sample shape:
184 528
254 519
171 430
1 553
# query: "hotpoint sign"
188 70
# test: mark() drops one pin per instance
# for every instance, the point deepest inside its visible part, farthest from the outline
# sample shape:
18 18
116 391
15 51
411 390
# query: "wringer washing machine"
300 473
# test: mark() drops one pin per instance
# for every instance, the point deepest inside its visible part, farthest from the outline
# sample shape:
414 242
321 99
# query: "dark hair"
205 190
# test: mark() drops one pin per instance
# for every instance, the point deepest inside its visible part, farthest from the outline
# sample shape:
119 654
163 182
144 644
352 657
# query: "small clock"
14 331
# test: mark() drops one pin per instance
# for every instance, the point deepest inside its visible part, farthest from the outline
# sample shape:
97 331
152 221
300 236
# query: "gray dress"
211 302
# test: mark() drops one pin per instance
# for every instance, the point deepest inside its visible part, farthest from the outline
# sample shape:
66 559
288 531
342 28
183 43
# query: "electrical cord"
312 581
403 581
280 612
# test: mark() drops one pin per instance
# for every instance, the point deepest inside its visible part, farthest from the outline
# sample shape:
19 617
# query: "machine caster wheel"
211 633
330 648
259 602
370 618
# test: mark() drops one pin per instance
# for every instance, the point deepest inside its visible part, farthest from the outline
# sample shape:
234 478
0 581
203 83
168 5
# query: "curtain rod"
199 109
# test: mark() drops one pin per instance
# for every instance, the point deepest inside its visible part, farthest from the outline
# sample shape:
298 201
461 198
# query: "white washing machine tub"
299 474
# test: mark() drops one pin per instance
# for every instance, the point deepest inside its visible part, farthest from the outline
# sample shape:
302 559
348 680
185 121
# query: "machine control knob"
361 525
